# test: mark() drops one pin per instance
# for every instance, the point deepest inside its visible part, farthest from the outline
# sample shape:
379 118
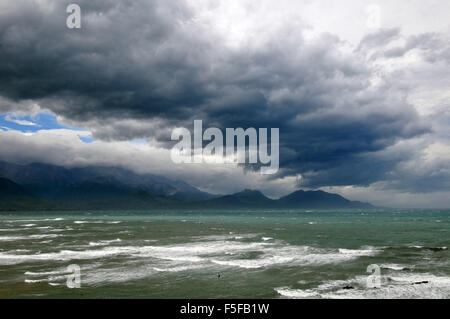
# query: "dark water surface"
259 254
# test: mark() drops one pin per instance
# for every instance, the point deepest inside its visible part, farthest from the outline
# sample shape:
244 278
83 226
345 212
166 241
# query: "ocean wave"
254 263
364 251
48 279
296 293
46 273
396 267
46 241
88 222
402 286
35 220
227 237
63 255
206 251
33 281
230 254
28 237
104 242
221 252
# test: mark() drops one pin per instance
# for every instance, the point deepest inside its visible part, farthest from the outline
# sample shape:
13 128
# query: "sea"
300 254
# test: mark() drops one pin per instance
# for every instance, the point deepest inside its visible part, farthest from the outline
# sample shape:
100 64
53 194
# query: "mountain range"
40 186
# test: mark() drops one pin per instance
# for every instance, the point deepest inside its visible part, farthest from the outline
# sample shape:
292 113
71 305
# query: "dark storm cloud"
129 57
144 61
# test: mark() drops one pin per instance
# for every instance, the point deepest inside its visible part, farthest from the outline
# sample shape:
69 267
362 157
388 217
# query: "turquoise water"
258 254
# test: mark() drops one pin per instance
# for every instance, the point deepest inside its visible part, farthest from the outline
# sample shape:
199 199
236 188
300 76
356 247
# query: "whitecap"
403 286
32 281
12 238
104 242
45 273
88 222
369 251
396 267
295 293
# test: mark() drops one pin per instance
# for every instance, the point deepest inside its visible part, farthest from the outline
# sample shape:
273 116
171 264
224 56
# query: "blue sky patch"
28 123
86 138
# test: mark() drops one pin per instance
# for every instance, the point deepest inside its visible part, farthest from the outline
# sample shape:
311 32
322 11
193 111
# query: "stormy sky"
362 100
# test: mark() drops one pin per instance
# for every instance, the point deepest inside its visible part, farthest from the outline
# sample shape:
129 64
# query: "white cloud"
63 147
20 122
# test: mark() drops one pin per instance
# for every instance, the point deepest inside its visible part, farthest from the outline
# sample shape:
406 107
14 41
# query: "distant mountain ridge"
53 176
319 199
40 186
296 200
10 189
245 199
